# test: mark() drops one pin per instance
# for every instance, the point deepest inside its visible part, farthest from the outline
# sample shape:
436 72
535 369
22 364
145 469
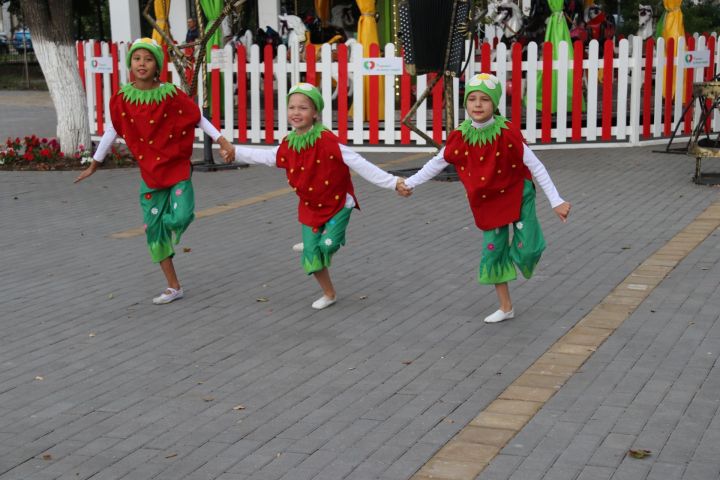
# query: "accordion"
432 35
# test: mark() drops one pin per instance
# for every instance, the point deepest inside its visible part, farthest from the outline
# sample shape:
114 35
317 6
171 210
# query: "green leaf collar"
483 135
298 142
155 95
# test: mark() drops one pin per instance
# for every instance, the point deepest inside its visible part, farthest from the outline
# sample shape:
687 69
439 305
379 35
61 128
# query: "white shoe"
499 316
169 295
323 302
298 247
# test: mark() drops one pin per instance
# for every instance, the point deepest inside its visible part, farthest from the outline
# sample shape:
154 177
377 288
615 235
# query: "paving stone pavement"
96 382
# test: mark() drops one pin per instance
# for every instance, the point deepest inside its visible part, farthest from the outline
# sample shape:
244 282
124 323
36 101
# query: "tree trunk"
50 23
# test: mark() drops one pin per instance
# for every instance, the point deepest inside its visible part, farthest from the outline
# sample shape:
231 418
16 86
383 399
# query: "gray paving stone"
372 387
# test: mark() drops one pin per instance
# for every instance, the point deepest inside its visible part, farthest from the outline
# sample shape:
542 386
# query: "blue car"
21 41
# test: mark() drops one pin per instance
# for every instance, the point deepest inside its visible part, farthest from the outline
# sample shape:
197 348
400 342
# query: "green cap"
309 91
486 83
151 46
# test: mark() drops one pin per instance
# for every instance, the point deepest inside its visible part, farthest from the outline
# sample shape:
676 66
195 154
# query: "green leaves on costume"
155 95
314 265
473 136
298 142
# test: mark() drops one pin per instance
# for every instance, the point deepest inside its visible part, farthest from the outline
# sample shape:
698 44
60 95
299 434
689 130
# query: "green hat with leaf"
151 46
309 91
486 83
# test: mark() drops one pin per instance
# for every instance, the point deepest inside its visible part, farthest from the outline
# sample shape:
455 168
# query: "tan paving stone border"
467 454
208 212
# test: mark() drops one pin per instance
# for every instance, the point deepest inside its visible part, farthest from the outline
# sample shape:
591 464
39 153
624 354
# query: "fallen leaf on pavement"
639 453
262 299
208 399
91 334
407 362
39 378
47 456
187 250
110 296
238 407
363 297
171 455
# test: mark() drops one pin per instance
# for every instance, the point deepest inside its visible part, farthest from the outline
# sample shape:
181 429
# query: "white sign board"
218 59
101 65
382 66
697 59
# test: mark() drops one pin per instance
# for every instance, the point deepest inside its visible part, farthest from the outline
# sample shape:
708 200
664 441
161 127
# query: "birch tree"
51 23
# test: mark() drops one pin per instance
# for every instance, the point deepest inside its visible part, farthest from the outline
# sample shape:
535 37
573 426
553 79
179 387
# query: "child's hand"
402 189
562 211
227 151
87 172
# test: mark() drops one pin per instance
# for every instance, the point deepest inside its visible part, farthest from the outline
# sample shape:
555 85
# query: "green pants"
500 255
321 243
166 212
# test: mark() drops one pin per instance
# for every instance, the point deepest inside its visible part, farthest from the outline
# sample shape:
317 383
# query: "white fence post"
356 56
635 97
389 131
622 88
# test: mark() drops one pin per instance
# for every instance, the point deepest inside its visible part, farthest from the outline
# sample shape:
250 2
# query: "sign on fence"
101 65
697 59
218 59
382 66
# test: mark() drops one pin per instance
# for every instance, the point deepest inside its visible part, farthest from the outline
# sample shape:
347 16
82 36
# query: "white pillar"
6 24
124 20
268 12
177 17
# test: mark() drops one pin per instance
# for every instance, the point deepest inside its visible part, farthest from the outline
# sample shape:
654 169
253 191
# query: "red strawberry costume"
158 126
492 172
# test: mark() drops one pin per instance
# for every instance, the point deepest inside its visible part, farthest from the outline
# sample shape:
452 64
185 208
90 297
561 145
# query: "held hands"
227 151
402 189
562 211
87 172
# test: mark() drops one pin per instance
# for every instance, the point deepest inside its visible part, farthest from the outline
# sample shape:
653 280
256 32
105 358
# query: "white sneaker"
298 247
499 316
169 295
323 302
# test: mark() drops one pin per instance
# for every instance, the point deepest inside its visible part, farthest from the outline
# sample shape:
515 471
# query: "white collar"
484 124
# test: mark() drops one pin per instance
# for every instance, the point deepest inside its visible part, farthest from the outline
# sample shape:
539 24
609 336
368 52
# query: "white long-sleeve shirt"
437 164
371 173
111 134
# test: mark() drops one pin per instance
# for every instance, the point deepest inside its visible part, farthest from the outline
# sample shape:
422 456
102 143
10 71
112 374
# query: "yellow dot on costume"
164 115
302 168
170 135
179 112
319 204
332 156
467 153
509 145
513 165
337 197
327 182
140 157
317 161
502 191
282 159
157 158
456 152
132 120
499 171
152 121
310 189
482 157
307 203
184 132
484 196
123 114
482 178
142 139
292 170
150 142
462 168
497 154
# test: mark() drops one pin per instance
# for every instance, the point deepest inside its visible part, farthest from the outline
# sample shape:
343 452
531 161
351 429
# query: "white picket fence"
628 64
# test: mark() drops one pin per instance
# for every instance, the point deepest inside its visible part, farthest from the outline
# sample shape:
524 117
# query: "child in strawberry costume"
157 121
318 167
496 168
